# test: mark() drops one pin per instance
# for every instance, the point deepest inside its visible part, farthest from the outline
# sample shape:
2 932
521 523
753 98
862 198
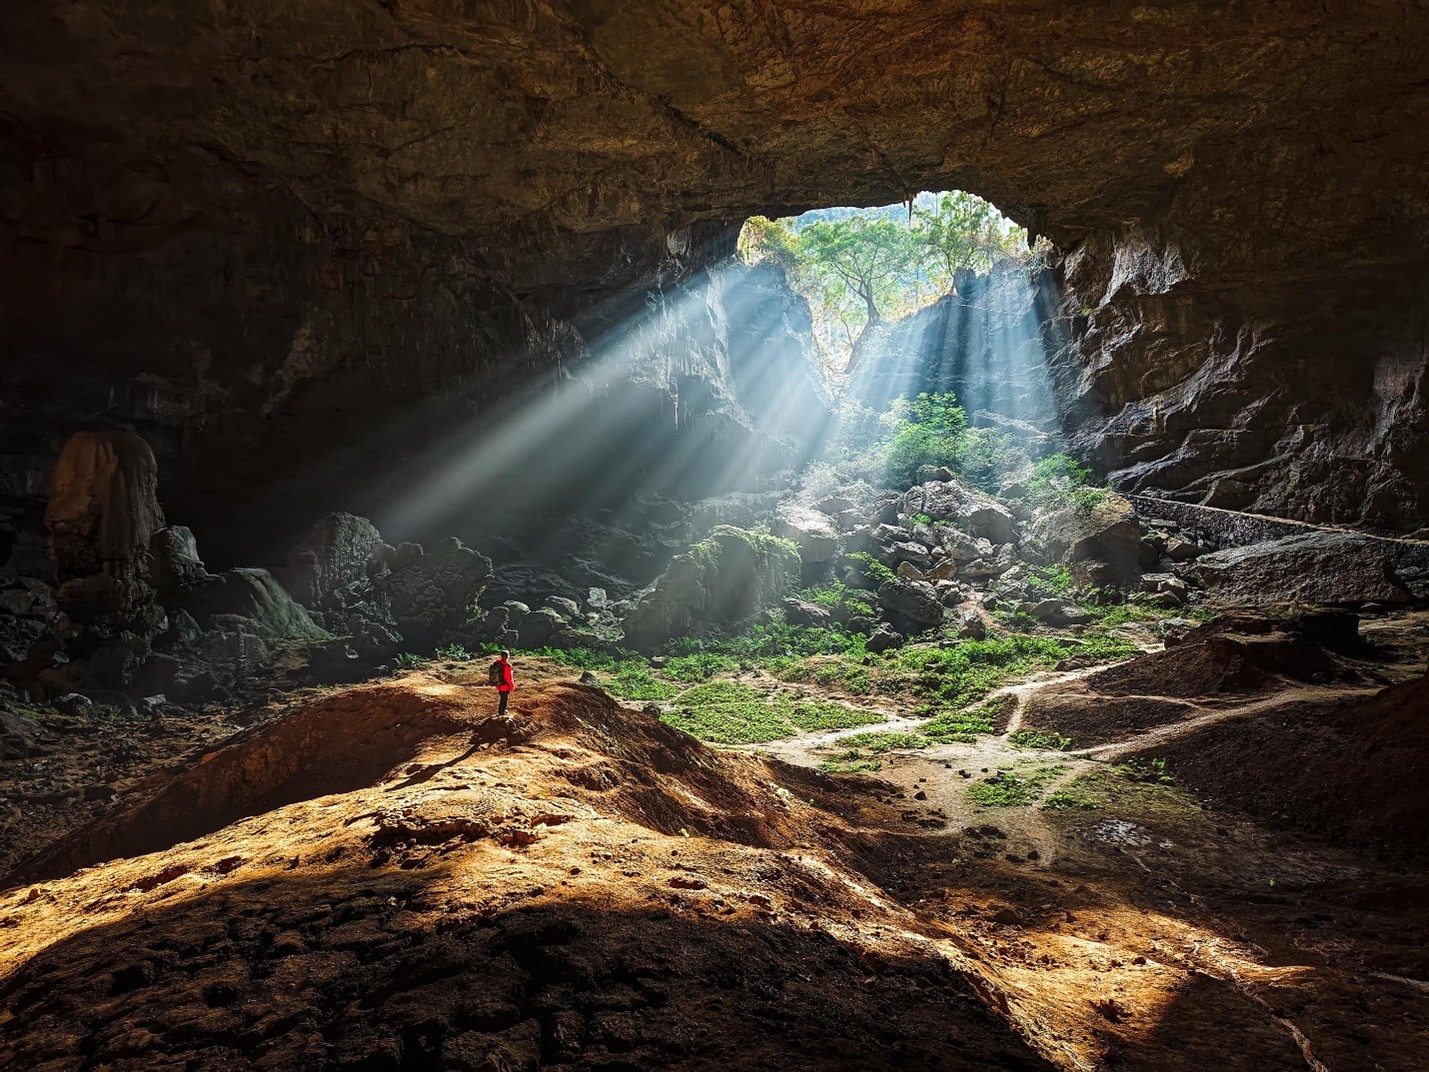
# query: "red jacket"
508 681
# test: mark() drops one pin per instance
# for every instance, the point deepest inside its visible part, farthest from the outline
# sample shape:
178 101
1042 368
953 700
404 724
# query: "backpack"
495 676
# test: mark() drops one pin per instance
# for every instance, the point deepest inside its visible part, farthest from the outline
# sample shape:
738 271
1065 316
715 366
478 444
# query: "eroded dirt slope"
390 877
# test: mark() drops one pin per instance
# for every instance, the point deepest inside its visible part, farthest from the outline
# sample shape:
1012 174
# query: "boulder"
174 563
538 627
967 624
916 553
248 601
1179 550
724 579
910 572
1101 544
432 593
102 512
960 546
945 569
884 638
1321 567
802 612
332 571
965 507
813 532
564 608
911 606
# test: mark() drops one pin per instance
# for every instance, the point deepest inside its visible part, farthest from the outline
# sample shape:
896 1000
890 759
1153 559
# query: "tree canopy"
861 266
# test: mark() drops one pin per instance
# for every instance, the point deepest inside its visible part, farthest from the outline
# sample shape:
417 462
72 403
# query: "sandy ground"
387 876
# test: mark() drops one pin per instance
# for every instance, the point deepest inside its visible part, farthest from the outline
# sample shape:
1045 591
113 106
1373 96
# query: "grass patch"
1149 771
634 681
700 666
966 726
1012 788
880 741
407 661
1045 740
1076 795
730 712
831 672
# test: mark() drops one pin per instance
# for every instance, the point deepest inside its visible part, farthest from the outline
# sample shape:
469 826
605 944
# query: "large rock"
249 601
102 512
1327 567
723 580
174 562
332 571
432 593
103 507
1102 543
814 533
964 507
911 606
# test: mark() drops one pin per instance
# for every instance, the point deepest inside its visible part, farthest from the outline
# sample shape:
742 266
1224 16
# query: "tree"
867 258
964 231
763 239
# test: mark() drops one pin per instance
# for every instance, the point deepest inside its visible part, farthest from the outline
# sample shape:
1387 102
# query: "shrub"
1059 480
926 430
874 570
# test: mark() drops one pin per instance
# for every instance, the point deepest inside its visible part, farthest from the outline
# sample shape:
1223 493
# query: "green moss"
730 712
1039 739
1013 788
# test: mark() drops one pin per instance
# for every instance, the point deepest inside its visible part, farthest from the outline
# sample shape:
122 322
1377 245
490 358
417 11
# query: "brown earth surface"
388 876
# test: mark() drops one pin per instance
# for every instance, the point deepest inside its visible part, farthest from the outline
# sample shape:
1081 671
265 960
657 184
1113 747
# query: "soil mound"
392 877
1354 769
1239 654
1233 660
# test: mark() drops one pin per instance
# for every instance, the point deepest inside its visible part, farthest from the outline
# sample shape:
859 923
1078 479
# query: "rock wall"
292 244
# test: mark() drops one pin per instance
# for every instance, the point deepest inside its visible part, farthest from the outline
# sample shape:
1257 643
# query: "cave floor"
388 876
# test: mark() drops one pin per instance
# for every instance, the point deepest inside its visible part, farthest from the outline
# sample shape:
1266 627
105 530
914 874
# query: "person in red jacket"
507 681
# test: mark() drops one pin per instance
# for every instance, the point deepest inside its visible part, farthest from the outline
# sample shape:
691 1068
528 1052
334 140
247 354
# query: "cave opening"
527 540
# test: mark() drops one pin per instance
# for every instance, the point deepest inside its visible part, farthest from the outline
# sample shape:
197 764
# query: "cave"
1029 674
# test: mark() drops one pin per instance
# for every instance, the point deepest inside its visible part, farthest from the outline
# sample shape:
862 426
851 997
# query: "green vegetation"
1076 795
880 741
635 682
876 572
1044 740
850 763
1011 787
730 712
700 666
407 661
1150 771
454 653
927 431
839 598
857 267
845 675
1058 480
966 726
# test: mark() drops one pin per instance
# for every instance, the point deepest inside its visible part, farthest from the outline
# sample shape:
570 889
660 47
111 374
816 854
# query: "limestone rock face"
331 572
103 510
1330 567
281 231
103 505
726 578
964 507
432 592
1101 544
